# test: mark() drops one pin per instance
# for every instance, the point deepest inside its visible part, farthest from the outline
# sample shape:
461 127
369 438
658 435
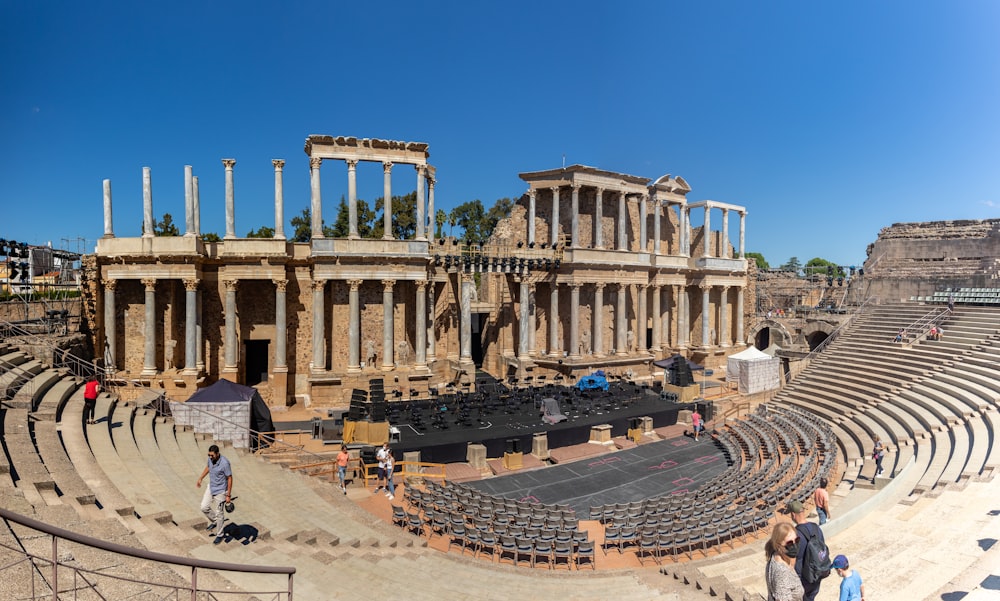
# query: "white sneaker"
391 497
387 494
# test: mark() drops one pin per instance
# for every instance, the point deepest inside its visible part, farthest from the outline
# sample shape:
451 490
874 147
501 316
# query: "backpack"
816 562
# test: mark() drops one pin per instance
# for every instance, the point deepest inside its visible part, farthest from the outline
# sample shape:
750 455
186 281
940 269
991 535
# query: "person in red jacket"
90 390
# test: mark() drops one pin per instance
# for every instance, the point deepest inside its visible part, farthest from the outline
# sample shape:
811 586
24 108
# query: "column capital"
575 187
386 167
352 164
575 285
705 287
388 285
279 164
431 181
421 284
231 285
109 284
150 284
354 284
599 285
315 162
420 169
531 192
191 284
280 285
642 287
555 189
318 284
229 163
725 288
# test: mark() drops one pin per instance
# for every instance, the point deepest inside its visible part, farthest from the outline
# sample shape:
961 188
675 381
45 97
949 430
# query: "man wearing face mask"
218 492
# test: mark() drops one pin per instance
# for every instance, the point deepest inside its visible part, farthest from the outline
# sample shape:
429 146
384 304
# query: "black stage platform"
442 427
650 470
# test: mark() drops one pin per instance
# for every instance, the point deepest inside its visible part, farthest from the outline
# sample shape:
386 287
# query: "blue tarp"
592 382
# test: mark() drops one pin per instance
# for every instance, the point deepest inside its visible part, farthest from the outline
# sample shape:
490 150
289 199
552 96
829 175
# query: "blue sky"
828 121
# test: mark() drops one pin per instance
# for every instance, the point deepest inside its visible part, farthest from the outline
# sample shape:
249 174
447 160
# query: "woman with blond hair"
783 583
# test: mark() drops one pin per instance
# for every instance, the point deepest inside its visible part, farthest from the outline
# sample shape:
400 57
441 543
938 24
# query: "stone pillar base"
413 457
646 424
279 387
475 454
513 461
601 434
540 445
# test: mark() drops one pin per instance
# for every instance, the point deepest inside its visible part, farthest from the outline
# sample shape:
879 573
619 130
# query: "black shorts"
381 473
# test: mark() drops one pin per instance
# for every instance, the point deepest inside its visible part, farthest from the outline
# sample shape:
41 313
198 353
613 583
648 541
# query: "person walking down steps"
218 492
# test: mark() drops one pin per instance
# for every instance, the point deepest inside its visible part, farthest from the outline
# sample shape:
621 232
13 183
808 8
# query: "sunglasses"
791 542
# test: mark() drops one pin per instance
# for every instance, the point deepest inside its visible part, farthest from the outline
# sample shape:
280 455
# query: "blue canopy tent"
592 382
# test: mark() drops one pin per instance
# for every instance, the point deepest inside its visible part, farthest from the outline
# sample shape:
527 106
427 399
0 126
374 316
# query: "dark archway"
816 338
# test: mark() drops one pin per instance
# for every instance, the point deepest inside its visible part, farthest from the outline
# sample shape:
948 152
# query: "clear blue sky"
828 121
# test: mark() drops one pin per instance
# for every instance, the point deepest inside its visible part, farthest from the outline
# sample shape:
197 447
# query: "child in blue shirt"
851 587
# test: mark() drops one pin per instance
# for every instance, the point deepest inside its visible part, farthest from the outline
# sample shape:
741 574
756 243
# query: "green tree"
262 232
500 210
404 221
818 266
211 237
166 226
793 265
440 218
759 259
302 226
471 217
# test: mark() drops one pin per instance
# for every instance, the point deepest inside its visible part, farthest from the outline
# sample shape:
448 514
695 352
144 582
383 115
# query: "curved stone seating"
17 376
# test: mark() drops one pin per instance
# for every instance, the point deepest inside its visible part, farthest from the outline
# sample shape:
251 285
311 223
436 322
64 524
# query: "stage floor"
649 470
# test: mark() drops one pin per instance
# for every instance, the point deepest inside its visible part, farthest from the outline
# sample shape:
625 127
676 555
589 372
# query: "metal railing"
923 324
871 300
89 580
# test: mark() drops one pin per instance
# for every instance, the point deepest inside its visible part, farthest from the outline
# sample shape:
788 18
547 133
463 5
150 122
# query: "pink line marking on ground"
665 465
683 481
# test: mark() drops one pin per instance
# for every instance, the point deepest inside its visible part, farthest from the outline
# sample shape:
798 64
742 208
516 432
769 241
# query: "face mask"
792 549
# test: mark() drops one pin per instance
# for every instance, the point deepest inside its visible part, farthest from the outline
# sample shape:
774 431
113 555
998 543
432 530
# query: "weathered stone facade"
620 280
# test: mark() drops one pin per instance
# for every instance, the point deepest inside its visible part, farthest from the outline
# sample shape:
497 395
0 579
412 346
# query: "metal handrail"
195 564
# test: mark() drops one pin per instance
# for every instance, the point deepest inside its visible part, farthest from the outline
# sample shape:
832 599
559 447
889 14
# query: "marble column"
188 201
279 199
149 329
574 320
724 251
622 212
280 325
643 215
196 205
706 232
232 349
230 199
388 340
315 198
657 226
724 317
682 217
147 203
420 235
190 327
110 324
199 336
670 318
575 209
531 215
598 218
109 230
319 327
740 341
555 216
525 317
706 317
532 321
657 320
387 200
354 326
431 217
683 318
352 199
554 346
597 319
420 329
465 351
621 323
640 320
743 223
431 345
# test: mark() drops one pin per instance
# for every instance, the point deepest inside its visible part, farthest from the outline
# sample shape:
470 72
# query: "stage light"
520 243
556 264
531 245
454 241
440 241
11 271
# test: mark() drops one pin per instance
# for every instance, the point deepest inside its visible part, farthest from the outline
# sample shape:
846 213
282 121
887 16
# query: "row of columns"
526 343
194 361
423 343
425 220
621 223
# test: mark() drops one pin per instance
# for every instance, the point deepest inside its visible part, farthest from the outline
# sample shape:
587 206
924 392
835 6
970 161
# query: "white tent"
753 370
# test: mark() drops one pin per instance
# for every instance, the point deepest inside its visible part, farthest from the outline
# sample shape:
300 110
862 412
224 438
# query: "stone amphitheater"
128 480
925 529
